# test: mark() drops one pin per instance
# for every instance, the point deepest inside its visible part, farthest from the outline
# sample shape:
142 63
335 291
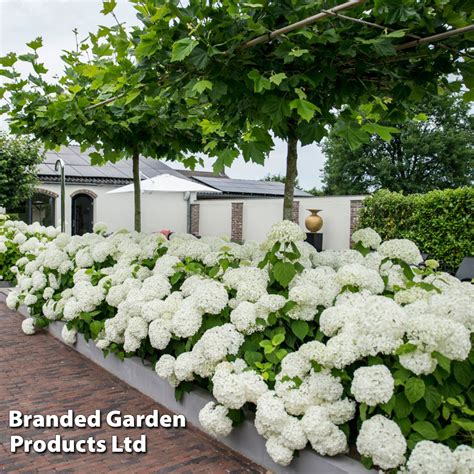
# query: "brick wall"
236 232
195 219
355 208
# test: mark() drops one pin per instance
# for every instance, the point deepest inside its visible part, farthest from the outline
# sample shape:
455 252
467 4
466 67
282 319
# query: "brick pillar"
195 219
295 216
237 221
356 205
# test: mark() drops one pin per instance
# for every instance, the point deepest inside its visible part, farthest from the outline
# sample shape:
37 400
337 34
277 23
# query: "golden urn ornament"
314 222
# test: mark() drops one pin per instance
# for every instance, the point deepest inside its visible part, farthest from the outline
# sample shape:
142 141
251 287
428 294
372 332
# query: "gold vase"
314 222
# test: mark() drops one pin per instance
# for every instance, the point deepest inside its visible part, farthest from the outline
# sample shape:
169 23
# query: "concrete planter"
244 439
5 284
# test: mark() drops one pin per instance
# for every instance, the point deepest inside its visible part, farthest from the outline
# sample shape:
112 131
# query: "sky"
53 20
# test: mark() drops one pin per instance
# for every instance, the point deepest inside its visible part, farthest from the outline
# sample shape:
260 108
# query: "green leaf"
260 82
132 95
277 78
402 406
283 272
35 44
443 361
384 132
414 389
201 86
465 424
432 398
96 327
281 353
406 348
304 108
425 429
251 357
300 329
463 373
182 48
367 462
448 432
278 339
108 6
87 317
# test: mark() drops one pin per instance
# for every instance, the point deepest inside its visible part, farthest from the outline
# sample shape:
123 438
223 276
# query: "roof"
209 174
241 187
79 170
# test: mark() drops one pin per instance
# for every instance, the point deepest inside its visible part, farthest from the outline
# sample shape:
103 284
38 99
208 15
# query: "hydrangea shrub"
362 347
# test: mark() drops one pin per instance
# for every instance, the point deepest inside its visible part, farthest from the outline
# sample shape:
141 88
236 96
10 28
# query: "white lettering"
15 419
15 442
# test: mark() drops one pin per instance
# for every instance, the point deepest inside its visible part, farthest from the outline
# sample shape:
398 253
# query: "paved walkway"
40 375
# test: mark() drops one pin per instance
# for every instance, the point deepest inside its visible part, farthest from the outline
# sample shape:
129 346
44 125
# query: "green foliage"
439 222
434 150
19 158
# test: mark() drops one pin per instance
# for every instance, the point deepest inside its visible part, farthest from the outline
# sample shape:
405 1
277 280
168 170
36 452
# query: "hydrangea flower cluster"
308 353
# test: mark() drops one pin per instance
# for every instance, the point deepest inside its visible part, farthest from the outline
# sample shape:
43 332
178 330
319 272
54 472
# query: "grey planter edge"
244 440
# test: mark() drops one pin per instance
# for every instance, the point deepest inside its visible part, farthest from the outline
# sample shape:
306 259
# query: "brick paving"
40 375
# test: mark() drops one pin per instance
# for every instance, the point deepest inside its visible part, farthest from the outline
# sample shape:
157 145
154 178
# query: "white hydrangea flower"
12 299
428 457
214 420
373 385
69 335
418 362
99 228
278 452
28 326
159 335
358 275
402 249
368 237
382 440
464 459
284 232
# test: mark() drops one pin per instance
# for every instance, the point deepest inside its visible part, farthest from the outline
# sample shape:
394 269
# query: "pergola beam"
301 24
434 38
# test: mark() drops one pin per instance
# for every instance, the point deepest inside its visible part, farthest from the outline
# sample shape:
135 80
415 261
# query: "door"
82 214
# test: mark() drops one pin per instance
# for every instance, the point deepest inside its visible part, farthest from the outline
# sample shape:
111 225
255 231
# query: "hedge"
439 222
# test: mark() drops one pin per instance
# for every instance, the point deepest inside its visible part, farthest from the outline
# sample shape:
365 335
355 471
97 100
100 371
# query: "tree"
435 150
349 71
142 119
19 158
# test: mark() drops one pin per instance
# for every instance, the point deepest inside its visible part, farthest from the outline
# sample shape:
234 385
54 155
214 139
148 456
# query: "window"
39 208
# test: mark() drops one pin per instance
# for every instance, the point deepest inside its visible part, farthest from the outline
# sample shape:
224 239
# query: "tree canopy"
226 77
434 150
19 158
333 72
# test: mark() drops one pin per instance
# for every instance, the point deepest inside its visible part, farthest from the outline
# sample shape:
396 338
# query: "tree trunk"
137 190
290 179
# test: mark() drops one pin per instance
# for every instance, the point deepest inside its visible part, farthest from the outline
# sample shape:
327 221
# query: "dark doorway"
82 214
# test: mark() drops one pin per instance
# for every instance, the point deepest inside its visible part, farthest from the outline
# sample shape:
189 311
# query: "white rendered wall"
215 217
159 210
260 214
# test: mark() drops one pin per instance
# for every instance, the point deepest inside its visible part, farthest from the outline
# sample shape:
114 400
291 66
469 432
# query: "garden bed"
245 439
364 349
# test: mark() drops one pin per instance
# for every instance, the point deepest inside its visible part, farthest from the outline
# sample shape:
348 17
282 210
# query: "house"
87 201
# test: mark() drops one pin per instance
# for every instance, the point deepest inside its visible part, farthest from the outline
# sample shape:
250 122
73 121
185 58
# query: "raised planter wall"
244 439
